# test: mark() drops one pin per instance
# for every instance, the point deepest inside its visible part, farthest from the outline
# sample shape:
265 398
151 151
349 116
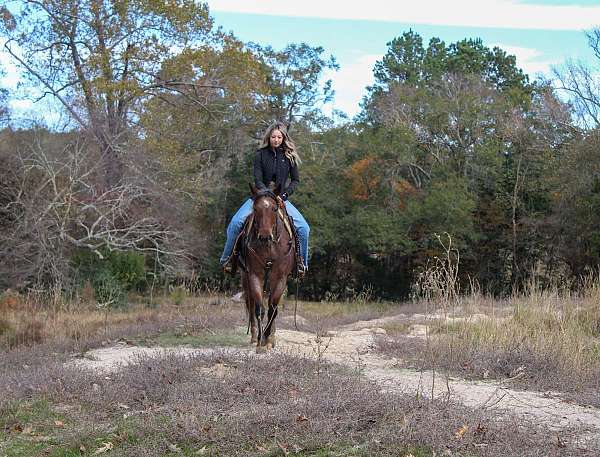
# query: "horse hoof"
260 349
253 340
269 346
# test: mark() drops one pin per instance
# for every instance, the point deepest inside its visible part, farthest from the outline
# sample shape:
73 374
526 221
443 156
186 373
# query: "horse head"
265 214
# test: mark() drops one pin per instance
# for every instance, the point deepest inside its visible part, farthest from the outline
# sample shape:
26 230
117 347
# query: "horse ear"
252 188
278 189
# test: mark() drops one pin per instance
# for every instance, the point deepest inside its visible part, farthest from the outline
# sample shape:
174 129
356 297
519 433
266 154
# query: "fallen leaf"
203 450
461 431
82 449
261 448
174 448
104 448
123 406
284 448
59 423
28 430
17 428
301 418
480 429
41 439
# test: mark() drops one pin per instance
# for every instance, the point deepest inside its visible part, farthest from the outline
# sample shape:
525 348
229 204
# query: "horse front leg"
269 334
273 311
258 315
252 322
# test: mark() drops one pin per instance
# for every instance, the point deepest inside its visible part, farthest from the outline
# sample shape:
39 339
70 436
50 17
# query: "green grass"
396 328
229 338
341 450
29 427
335 308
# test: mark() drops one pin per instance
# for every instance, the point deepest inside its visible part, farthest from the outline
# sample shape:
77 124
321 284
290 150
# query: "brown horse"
269 259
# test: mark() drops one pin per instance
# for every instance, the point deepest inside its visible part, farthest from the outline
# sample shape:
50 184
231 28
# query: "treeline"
454 144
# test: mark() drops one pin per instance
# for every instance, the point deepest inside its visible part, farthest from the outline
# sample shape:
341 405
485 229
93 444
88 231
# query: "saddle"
240 248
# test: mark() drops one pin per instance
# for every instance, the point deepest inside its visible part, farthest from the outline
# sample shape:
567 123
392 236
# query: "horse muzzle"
266 238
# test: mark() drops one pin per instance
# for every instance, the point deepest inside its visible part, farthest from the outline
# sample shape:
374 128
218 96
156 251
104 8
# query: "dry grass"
543 340
327 315
76 325
233 404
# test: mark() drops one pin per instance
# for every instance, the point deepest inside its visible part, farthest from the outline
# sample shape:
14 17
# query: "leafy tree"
294 78
467 135
577 201
100 59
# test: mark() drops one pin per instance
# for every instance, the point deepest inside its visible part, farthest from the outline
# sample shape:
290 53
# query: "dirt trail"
353 345
355 348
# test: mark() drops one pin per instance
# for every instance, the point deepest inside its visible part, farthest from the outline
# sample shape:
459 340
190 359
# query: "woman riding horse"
276 162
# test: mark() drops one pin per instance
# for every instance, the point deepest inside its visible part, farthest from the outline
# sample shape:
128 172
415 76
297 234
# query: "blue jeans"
237 223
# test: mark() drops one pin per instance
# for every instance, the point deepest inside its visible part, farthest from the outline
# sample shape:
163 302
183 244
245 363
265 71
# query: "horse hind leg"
269 335
259 314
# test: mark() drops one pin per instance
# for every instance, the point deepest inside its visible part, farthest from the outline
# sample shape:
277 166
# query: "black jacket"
275 166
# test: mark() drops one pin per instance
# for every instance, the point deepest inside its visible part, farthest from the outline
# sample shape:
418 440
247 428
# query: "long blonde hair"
289 148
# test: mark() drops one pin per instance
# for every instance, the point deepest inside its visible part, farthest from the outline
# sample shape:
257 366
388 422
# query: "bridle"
267 264
275 237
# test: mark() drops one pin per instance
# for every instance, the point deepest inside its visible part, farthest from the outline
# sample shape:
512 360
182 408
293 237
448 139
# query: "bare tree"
582 83
50 206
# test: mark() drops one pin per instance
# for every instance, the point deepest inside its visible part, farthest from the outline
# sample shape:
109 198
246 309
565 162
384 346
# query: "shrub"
178 295
5 326
127 268
27 333
10 299
110 276
108 289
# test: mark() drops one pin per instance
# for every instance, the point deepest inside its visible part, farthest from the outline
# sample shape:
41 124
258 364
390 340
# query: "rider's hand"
280 202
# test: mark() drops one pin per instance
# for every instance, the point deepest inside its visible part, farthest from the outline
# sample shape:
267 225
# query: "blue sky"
540 33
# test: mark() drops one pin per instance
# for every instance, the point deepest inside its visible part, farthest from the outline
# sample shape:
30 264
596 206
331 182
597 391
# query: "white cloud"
20 104
11 76
464 13
528 59
350 82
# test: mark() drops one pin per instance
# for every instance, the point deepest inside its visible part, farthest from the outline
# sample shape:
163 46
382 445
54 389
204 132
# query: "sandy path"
353 345
355 348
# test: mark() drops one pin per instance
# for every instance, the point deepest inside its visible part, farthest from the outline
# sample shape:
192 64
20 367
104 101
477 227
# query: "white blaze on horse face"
276 138
265 220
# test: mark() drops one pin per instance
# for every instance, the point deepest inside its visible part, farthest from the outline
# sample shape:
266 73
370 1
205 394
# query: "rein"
267 264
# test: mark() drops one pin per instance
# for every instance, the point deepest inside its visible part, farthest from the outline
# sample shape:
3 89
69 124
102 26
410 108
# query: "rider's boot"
230 264
301 269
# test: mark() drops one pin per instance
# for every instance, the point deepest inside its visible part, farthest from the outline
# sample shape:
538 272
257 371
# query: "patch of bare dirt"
354 346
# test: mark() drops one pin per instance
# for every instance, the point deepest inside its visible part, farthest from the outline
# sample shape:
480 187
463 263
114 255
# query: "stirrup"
301 269
230 265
